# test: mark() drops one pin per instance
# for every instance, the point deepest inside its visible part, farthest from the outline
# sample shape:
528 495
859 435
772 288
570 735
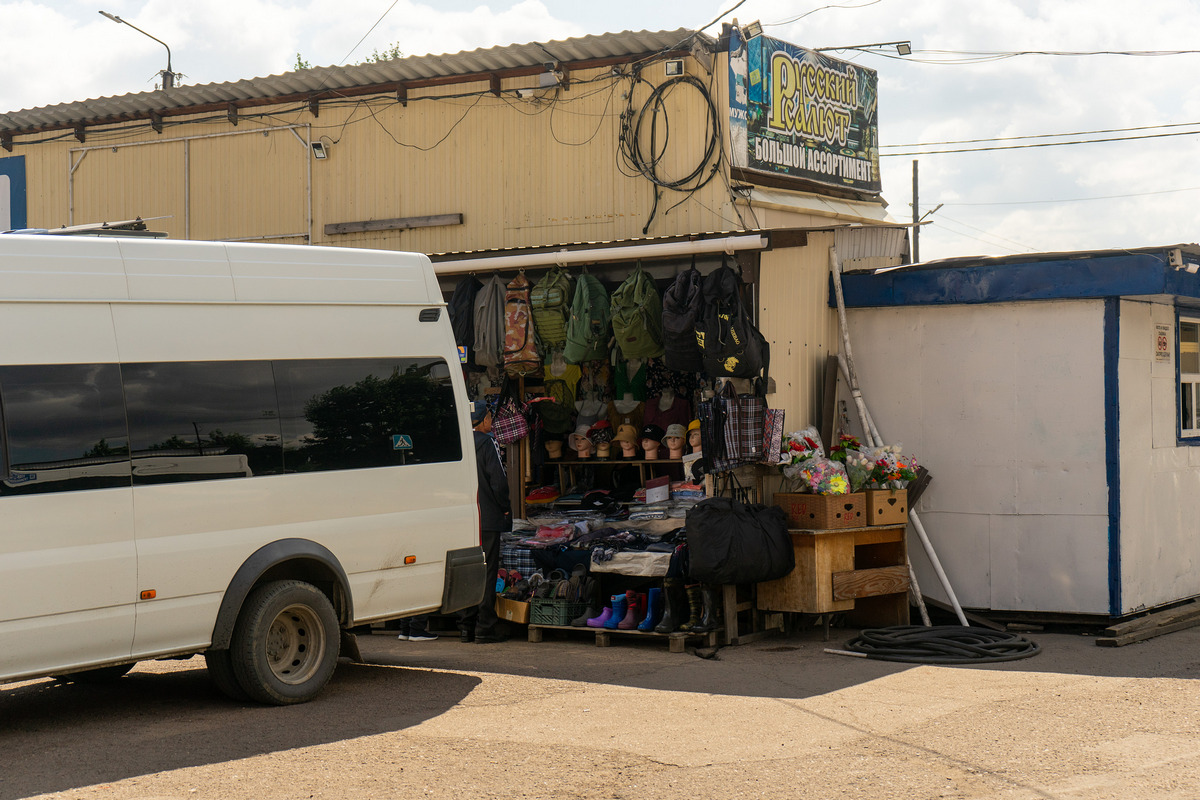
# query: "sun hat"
578 438
676 430
627 433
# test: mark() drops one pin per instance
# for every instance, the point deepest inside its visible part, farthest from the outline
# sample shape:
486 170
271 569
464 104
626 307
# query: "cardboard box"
658 490
887 506
512 610
823 511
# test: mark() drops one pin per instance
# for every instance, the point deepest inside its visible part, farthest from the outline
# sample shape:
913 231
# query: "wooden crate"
887 506
823 511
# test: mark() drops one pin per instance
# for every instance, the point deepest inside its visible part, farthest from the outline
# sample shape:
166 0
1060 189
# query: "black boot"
694 604
591 596
674 604
710 615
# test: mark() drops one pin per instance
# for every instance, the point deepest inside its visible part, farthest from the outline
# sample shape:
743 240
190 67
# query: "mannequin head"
628 449
600 434
603 450
554 448
627 438
693 436
580 443
674 440
651 438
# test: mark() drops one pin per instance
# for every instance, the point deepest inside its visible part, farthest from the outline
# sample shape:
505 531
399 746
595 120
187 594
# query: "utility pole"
168 77
916 229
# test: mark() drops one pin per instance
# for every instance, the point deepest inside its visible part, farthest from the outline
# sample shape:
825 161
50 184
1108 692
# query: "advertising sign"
12 193
800 113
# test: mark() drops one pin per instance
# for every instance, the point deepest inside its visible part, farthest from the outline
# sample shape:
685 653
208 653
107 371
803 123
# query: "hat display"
694 425
675 430
479 410
654 432
627 433
577 439
601 432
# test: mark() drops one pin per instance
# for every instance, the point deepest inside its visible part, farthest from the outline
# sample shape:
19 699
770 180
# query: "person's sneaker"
403 637
423 637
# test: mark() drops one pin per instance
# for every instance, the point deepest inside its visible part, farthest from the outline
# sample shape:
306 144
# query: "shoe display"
694 607
589 594
710 618
606 614
635 610
422 637
674 605
466 637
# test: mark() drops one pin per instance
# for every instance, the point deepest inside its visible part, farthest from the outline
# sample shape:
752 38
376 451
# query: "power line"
985 56
1040 144
1046 135
1080 199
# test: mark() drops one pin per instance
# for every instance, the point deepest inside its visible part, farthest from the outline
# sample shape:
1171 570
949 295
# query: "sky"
1134 192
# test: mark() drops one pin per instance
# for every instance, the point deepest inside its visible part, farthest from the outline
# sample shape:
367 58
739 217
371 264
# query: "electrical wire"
1042 144
942 644
1046 135
815 10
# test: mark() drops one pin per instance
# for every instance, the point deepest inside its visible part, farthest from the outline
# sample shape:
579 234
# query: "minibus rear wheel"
285 643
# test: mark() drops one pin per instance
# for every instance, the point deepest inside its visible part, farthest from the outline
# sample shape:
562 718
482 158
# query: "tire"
220 670
285 643
98 675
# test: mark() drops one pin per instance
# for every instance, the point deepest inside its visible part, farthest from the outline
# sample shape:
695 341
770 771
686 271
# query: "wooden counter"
861 571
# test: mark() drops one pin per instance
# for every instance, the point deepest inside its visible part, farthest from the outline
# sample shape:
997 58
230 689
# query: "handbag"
732 542
772 437
509 423
743 425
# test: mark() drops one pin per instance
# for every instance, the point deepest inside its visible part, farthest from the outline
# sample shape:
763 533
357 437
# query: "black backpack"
682 304
461 309
729 343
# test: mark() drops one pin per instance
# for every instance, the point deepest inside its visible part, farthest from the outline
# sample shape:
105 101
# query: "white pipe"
562 258
937 565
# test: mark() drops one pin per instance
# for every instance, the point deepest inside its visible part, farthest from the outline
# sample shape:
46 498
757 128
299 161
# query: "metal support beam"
495 83
233 113
156 121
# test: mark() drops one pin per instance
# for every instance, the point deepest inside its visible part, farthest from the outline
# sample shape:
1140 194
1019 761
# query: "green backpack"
587 329
637 316
551 303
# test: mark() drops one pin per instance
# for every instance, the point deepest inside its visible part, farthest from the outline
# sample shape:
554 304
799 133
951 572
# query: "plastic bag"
798 447
822 476
890 469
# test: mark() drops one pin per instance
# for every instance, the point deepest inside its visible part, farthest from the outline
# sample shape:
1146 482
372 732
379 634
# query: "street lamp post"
168 77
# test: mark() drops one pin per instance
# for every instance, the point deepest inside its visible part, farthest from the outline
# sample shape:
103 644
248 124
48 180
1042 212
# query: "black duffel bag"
734 542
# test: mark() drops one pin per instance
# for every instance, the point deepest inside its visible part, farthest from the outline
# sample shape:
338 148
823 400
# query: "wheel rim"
295 644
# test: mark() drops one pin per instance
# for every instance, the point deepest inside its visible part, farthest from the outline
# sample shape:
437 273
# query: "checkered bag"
772 436
743 425
712 435
509 423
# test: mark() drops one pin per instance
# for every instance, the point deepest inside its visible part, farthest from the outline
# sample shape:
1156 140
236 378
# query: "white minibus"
240 450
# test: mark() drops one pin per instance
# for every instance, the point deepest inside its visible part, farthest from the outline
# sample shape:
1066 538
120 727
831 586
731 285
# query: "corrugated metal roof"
331 79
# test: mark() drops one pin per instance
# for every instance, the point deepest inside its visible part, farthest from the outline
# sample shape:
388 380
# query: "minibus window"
64 428
361 413
204 420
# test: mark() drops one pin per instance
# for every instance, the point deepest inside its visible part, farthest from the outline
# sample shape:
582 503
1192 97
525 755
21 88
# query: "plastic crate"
553 611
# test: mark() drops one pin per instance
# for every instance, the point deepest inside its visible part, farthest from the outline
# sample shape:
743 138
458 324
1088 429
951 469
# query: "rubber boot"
605 615
710 614
654 604
673 607
618 613
591 596
635 609
695 603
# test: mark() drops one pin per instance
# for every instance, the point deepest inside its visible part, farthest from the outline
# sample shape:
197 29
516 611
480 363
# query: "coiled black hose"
941 644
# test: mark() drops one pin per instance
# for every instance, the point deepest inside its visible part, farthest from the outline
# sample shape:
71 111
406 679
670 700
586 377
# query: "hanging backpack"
587 330
489 323
637 316
520 345
729 343
551 302
461 309
682 304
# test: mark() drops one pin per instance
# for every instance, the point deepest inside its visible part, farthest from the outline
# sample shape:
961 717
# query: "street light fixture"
903 48
168 77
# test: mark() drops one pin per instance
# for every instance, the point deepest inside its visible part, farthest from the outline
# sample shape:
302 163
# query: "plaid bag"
712 435
743 425
772 436
509 423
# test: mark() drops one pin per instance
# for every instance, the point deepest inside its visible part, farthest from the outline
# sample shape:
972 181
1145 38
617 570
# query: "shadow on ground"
151 721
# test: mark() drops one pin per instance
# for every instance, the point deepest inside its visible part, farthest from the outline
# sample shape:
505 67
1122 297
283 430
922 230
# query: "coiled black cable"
941 644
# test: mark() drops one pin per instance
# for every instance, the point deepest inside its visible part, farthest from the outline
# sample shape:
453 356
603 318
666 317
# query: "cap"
654 432
479 410
627 433
694 425
601 432
676 430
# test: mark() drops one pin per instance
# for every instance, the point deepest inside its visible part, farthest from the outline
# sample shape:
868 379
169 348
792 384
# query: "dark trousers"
481 621
415 626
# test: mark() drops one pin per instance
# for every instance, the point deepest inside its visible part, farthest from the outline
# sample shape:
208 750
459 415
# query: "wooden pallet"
1151 625
676 642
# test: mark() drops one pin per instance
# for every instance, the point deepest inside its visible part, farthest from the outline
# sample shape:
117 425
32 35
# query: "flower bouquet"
887 494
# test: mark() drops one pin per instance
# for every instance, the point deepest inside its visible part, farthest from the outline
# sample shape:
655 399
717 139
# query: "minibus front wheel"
285 644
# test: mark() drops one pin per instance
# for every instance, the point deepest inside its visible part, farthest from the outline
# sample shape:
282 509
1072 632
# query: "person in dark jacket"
495 515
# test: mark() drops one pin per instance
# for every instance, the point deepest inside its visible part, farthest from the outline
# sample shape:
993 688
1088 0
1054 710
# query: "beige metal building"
601 150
